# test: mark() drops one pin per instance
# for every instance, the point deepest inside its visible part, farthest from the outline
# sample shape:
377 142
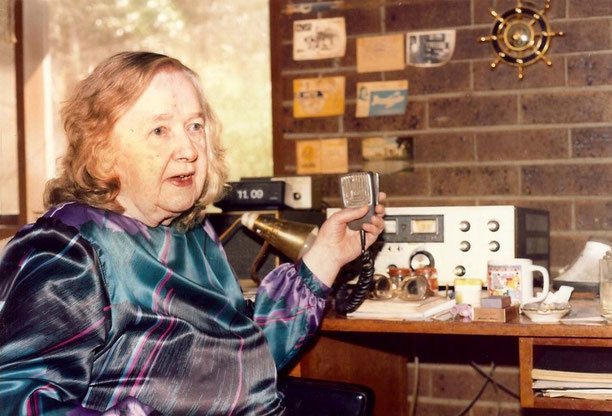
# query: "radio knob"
459 271
465 246
493 245
493 225
464 226
421 259
297 196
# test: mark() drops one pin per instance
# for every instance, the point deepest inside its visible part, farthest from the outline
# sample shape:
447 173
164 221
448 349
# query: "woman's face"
161 150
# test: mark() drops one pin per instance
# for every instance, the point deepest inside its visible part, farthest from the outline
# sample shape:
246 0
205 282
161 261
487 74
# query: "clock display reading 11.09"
253 193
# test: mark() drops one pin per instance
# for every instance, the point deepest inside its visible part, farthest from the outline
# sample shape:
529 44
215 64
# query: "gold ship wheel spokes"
520 36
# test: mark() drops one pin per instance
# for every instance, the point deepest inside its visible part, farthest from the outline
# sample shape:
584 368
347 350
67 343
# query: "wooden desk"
373 352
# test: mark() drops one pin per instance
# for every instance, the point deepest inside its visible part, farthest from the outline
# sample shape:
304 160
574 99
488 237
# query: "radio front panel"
459 240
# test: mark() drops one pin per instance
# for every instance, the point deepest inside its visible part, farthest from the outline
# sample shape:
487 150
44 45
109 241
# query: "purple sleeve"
289 308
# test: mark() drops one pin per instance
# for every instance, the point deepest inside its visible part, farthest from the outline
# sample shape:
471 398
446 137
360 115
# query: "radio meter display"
413 228
391 226
424 226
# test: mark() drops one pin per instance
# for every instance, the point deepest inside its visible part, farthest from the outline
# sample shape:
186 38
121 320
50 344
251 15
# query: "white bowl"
546 315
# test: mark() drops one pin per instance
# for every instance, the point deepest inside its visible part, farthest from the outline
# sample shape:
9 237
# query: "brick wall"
480 136
446 385
447 389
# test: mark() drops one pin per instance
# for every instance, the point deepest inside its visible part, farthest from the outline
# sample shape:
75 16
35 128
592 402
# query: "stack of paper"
397 309
553 383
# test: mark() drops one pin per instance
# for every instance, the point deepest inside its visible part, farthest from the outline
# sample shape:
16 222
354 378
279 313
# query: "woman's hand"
336 244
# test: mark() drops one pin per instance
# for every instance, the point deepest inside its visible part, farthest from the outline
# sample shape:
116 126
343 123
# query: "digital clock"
252 194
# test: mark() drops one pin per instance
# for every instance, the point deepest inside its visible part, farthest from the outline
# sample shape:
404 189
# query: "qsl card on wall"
321 156
382 98
387 155
380 53
318 97
429 49
319 38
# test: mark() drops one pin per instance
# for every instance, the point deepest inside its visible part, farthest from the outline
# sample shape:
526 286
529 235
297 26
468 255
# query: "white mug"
514 278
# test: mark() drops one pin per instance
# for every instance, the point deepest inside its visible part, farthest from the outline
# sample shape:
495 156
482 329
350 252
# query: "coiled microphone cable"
346 302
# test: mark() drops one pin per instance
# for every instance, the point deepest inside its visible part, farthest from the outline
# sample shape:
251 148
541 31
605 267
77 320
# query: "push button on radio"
465 246
493 225
464 226
493 245
459 271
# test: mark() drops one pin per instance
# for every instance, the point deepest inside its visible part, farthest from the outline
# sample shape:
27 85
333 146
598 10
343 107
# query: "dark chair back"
308 397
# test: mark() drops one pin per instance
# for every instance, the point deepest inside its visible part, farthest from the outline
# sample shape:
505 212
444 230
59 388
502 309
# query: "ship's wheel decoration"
520 36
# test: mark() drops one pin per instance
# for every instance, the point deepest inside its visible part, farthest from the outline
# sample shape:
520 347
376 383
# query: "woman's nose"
185 148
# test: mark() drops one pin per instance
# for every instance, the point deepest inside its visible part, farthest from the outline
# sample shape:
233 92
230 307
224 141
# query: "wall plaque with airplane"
383 98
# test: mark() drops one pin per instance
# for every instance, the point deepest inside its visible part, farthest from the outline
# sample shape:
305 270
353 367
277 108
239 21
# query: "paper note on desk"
551 383
589 394
396 309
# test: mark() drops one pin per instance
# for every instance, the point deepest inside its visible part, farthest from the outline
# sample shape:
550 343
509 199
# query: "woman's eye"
158 131
197 127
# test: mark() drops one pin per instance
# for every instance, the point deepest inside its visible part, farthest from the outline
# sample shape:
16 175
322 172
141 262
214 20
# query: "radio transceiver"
459 240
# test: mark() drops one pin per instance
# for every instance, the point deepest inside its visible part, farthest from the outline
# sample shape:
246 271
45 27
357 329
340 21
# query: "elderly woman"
120 298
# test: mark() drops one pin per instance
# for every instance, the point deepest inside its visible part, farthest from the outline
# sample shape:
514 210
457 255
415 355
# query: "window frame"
9 224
